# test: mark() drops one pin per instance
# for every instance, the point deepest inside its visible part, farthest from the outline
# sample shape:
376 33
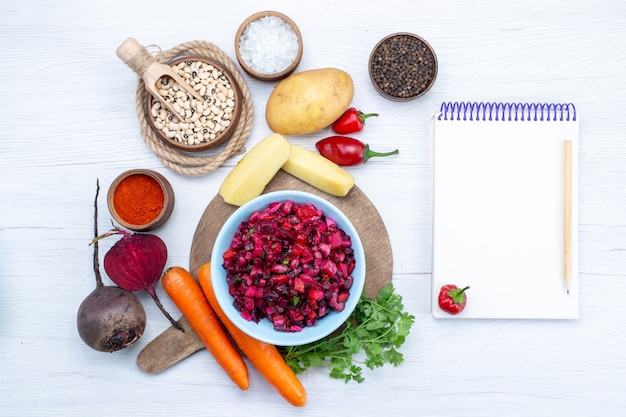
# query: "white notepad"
498 208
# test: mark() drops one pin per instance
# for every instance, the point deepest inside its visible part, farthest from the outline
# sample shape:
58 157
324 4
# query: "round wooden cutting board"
172 345
356 206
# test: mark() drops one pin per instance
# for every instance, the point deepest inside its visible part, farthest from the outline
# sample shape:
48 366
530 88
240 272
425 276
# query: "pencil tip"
567 292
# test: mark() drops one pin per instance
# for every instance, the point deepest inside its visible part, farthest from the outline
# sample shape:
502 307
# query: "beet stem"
152 293
114 231
96 263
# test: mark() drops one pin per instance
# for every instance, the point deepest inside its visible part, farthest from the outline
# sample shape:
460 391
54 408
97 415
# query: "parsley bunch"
377 327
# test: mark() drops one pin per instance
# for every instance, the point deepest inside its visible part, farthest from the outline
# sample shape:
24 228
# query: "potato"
308 101
255 170
318 171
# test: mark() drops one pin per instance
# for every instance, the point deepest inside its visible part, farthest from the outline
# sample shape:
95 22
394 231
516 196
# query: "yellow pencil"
567 214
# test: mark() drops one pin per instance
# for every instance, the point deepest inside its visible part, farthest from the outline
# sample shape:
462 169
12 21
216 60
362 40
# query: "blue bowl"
264 329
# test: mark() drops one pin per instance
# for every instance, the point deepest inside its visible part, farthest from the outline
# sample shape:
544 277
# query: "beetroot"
291 264
110 318
136 263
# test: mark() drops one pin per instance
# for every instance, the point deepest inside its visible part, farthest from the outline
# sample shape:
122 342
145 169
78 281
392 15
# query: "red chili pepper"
351 121
452 299
346 151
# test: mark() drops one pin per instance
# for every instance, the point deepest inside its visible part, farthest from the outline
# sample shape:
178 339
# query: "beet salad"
291 264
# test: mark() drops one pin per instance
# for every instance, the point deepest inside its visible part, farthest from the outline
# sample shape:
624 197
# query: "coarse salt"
268 45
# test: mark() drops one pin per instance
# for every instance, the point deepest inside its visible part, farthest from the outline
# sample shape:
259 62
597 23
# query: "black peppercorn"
403 66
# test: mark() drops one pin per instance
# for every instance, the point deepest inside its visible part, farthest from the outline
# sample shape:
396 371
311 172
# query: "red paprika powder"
138 199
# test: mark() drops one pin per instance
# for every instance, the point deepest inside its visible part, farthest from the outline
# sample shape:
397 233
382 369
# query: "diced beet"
324 248
310 269
329 267
349 281
249 304
251 292
321 312
298 284
279 279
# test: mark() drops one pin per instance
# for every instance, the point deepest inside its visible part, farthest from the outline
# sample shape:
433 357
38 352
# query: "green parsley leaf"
376 327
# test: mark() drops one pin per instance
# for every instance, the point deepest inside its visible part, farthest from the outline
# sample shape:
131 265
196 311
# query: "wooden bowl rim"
278 75
168 199
226 134
383 92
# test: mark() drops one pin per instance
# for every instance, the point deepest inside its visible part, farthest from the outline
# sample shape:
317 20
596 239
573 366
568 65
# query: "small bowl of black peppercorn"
403 66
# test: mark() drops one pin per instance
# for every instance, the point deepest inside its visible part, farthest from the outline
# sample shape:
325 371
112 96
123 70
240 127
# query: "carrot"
188 297
264 356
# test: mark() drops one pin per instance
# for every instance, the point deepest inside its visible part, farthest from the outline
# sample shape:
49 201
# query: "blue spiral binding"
488 111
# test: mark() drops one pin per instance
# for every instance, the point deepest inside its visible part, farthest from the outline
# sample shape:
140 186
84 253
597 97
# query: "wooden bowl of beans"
402 66
199 125
268 46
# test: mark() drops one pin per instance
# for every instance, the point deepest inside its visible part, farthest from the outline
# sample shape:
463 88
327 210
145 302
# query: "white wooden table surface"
69 117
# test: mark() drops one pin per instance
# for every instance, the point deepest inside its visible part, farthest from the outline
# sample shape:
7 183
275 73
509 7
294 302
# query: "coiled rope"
183 162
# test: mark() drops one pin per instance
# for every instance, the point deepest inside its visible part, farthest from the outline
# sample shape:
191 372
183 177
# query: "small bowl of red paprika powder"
141 199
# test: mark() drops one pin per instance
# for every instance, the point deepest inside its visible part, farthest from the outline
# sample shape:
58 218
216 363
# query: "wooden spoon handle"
135 56
169 348
139 60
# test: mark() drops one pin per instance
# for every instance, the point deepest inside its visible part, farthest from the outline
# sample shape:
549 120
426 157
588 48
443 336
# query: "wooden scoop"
150 71
169 348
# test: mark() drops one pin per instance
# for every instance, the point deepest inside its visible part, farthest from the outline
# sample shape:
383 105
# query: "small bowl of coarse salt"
199 124
268 46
